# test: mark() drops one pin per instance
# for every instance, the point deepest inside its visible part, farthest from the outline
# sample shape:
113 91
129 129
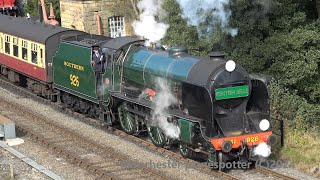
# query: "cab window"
107 54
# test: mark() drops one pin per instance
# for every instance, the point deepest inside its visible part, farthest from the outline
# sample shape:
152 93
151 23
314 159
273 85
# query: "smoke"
162 101
262 149
147 26
205 14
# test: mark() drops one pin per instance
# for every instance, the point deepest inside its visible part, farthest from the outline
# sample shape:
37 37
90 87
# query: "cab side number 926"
74 80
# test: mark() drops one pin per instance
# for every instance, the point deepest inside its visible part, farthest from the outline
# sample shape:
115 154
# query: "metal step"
7 128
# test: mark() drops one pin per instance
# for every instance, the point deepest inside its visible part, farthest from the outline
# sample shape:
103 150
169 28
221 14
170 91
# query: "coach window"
7 45
34 53
24 50
15 47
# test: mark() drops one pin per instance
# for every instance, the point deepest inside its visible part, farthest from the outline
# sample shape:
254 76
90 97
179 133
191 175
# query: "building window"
15 47
34 53
24 50
116 26
7 45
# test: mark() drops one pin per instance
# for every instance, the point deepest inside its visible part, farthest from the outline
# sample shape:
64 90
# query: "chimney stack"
216 55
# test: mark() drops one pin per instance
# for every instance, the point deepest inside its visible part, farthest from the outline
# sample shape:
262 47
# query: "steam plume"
163 100
147 26
262 149
205 14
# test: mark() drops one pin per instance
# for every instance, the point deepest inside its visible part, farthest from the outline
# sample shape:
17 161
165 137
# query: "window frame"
7 40
114 24
15 47
34 48
24 46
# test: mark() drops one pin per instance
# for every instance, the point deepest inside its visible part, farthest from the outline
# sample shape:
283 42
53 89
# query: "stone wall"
82 14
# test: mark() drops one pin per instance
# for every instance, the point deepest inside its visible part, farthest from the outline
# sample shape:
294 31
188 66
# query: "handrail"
121 66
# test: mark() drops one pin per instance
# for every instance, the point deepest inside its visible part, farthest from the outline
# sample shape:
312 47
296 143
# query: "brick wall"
81 14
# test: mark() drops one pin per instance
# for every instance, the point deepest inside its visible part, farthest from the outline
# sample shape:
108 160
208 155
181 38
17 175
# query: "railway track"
268 171
100 160
96 123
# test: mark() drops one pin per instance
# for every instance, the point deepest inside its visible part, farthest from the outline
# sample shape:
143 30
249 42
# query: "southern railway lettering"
74 66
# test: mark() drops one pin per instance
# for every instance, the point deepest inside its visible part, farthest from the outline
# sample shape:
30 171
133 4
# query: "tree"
180 34
283 42
281 38
318 7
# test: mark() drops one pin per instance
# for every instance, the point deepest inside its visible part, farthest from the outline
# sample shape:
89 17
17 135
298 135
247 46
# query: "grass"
302 147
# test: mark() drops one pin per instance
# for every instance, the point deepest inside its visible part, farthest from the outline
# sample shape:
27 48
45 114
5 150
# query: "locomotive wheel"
127 120
185 151
157 137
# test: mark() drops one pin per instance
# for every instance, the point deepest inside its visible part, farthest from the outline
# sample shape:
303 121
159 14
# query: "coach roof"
29 29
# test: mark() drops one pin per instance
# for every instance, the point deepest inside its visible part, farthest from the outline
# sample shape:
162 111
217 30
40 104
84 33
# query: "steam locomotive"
213 107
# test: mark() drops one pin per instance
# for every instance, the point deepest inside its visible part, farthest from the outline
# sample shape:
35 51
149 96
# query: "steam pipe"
40 13
52 17
44 11
99 25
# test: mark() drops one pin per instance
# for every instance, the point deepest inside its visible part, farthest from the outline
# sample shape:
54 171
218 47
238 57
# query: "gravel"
21 170
294 173
47 158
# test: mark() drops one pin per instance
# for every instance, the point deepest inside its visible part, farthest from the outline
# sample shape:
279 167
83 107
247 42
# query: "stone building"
116 16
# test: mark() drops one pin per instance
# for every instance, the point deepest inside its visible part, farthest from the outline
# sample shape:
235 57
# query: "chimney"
176 51
51 16
216 55
153 45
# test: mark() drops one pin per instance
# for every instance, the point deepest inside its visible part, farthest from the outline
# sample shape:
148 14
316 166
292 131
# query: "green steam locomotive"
210 107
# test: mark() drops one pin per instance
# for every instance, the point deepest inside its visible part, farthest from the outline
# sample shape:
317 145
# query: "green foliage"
292 108
31 7
180 34
282 39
